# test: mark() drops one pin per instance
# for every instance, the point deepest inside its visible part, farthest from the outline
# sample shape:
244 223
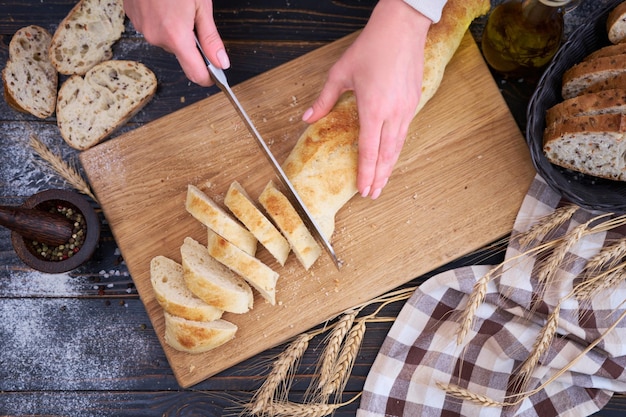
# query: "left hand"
384 68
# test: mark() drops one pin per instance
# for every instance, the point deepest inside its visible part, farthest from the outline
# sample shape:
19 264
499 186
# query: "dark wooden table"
81 343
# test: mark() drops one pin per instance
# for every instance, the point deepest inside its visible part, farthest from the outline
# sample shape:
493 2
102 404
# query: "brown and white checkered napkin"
545 339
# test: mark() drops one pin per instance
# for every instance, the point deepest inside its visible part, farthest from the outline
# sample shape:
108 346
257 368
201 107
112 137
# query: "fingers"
329 95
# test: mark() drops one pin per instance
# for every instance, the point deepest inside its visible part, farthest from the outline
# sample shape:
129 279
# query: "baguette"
616 24
92 107
242 206
173 295
85 36
593 145
290 224
197 336
211 281
29 78
255 272
205 210
589 73
602 102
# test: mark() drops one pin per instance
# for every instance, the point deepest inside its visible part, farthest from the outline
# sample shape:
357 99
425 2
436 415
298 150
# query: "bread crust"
587 73
602 102
616 29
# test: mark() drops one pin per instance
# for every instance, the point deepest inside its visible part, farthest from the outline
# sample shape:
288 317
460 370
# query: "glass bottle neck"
539 11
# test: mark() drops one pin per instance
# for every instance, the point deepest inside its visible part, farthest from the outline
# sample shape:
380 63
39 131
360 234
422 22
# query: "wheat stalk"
291 409
476 298
547 224
548 270
345 360
465 394
65 170
285 363
588 289
608 257
330 355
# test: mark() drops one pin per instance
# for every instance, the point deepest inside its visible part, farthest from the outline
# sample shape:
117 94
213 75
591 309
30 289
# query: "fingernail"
222 57
365 192
307 114
376 193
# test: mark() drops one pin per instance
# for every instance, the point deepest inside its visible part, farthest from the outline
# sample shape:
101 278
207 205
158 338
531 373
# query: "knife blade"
219 77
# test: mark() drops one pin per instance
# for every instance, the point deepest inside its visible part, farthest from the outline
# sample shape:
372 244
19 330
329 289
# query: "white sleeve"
429 8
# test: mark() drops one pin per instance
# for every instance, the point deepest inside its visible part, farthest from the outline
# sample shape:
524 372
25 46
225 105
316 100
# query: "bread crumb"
182 99
192 368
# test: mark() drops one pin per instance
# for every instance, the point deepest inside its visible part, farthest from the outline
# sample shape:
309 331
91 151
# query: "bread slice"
166 276
92 107
602 102
286 217
29 78
616 24
211 281
609 50
209 213
588 73
255 272
242 206
593 145
85 36
612 83
197 336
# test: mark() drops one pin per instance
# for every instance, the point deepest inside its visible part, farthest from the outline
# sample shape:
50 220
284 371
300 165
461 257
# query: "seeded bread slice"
166 276
588 73
255 272
30 80
92 107
211 281
602 102
616 24
209 213
85 36
609 50
593 145
242 206
197 336
286 217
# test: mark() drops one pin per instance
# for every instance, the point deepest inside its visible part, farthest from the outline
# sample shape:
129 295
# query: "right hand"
171 25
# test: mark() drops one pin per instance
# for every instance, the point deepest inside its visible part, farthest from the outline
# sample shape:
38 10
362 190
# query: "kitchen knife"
218 76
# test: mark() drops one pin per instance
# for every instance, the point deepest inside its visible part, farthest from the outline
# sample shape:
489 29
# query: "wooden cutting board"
458 185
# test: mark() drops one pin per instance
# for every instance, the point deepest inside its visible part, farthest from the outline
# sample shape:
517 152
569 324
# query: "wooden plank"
457 186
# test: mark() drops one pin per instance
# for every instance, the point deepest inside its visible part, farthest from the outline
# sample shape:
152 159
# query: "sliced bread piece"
85 36
92 107
612 83
593 145
211 281
197 336
242 206
602 102
588 73
609 50
286 217
30 80
616 24
255 272
209 213
166 276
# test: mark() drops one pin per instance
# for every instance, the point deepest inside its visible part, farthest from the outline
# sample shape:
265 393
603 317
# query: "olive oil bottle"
521 36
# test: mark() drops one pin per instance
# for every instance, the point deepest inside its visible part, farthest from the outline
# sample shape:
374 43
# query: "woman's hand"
171 25
384 68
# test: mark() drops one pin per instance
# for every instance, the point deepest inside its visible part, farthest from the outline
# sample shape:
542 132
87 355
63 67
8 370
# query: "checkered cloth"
421 351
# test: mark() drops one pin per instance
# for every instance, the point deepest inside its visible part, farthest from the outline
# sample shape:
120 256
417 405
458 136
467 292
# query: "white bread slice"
616 24
255 272
602 102
92 107
29 78
242 206
586 74
211 281
209 213
286 217
85 36
166 276
593 145
197 336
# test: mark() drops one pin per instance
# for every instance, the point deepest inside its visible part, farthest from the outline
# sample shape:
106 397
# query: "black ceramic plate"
586 191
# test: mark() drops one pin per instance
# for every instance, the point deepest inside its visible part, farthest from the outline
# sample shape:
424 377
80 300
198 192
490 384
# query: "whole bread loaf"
29 78
85 36
593 145
92 107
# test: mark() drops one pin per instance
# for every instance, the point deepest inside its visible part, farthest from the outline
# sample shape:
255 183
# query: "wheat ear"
345 360
589 288
330 355
548 270
547 224
65 170
476 298
465 394
291 409
285 363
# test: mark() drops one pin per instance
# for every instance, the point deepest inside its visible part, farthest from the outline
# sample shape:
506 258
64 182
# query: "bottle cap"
555 3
